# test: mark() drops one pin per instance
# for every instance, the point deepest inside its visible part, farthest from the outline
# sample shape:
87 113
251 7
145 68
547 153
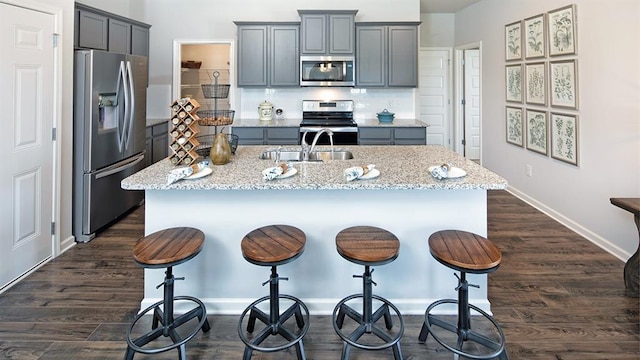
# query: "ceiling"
444 6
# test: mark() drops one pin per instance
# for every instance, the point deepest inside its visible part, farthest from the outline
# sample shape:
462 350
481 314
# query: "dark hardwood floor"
556 295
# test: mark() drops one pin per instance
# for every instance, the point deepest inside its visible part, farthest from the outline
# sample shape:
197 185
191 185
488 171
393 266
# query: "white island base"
227 283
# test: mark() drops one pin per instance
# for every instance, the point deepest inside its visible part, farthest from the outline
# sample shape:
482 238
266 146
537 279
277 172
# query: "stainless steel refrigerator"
110 94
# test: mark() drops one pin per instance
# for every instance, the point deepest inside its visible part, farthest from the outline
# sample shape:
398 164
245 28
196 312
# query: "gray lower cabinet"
327 32
268 54
392 136
157 142
387 55
263 135
101 30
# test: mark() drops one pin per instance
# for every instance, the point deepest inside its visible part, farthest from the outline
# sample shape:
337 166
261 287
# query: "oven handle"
335 129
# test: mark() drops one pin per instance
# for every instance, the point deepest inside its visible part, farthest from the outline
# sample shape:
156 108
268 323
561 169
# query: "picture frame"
513 41
537 130
534 29
536 83
513 79
564 137
514 126
562 31
563 83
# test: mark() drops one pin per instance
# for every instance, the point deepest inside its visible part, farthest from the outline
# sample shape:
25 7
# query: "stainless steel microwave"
327 71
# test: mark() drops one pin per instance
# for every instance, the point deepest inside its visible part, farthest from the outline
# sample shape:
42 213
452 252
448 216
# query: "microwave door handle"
132 106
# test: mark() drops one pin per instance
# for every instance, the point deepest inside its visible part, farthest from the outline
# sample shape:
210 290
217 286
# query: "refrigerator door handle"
132 107
122 80
120 166
127 98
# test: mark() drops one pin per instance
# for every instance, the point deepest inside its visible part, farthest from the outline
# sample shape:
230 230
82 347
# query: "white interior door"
472 104
433 88
26 181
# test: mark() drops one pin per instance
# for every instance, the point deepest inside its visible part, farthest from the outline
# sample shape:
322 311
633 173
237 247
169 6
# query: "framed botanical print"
514 83
562 31
564 137
514 126
563 83
513 41
536 83
534 37
537 131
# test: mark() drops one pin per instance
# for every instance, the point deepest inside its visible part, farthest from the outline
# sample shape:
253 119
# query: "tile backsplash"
367 102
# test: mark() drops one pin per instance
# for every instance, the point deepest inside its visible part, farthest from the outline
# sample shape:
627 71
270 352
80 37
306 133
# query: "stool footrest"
497 347
136 345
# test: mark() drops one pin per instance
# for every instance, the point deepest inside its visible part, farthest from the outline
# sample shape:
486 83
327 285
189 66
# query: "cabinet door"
314 34
252 55
92 30
249 135
403 56
148 157
119 36
374 136
284 68
139 40
371 56
341 34
410 136
283 135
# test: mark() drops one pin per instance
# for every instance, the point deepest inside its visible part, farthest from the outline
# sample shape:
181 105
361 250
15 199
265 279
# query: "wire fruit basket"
206 142
215 91
215 117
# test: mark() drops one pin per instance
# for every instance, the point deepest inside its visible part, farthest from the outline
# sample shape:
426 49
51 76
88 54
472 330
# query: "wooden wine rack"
183 131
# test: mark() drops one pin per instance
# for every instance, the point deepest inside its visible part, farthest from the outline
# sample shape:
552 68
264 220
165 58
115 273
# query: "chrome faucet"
306 149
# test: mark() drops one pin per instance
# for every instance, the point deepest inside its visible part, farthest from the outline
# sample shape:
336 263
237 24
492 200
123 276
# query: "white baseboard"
598 240
67 244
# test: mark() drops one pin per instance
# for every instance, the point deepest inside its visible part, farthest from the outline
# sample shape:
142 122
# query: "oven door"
347 135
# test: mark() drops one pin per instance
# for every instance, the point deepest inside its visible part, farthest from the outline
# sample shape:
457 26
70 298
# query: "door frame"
57 123
459 96
177 56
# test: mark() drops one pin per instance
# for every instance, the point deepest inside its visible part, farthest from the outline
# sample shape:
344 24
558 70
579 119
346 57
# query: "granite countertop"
295 122
401 168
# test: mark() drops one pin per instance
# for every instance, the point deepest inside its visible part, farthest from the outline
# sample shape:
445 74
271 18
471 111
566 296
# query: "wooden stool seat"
464 251
168 247
273 245
367 245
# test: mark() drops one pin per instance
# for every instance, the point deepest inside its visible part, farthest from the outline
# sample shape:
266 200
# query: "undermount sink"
293 156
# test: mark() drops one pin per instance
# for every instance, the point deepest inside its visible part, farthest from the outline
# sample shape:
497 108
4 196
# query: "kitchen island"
405 199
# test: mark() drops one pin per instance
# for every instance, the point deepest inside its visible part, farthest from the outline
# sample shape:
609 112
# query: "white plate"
372 174
453 173
290 172
202 173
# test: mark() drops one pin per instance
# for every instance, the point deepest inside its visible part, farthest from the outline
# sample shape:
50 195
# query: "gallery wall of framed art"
541 84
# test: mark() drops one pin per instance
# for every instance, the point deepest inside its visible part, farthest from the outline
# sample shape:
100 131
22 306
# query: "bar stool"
166 249
274 245
368 246
468 253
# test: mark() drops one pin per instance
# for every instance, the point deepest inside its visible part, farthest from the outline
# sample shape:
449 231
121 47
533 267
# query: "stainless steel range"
335 115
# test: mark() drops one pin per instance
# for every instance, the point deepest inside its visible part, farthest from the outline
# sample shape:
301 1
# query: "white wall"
609 116
437 30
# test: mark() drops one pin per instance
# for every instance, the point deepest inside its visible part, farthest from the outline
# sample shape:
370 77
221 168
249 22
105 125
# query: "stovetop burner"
327 113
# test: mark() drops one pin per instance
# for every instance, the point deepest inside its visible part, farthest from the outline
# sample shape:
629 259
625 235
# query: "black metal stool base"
367 320
274 322
463 328
136 345
342 309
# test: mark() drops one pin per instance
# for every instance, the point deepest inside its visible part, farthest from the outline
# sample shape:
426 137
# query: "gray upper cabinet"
93 30
268 54
327 32
98 29
139 40
387 55
119 36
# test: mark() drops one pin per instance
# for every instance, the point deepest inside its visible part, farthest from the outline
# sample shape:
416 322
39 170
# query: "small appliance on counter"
265 111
